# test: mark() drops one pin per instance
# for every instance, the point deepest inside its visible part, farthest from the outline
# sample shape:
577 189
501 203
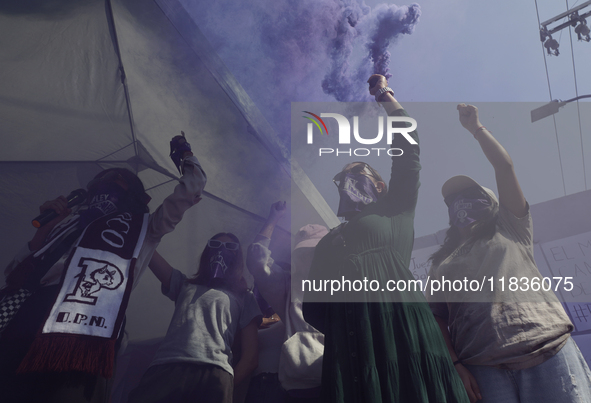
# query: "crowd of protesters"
277 341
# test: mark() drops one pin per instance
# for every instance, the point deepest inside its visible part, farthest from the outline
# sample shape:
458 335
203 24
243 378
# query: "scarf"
83 324
464 211
356 191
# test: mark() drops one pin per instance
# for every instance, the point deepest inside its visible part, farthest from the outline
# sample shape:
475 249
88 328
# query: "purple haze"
357 23
392 21
302 51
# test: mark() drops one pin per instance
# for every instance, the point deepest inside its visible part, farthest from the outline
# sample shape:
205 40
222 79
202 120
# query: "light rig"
574 19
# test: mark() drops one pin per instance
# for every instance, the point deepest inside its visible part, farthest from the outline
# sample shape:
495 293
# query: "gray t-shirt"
504 329
204 323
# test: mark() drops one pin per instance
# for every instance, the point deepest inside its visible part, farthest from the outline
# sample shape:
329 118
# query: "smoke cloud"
376 29
302 51
392 21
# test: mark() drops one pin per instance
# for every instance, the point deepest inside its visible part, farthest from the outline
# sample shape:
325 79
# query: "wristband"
382 91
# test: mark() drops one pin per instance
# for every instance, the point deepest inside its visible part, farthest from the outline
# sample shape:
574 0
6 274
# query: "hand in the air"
277 210
179 150
469 117
378 81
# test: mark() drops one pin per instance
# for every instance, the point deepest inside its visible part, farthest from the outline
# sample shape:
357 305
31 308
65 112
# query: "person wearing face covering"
194 361
511 345
379 352
63 305
290 350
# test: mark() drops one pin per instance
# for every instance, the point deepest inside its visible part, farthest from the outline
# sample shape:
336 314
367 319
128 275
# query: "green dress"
381 352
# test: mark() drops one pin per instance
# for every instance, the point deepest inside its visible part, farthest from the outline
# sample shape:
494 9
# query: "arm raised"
161 269
510 193
404 179
276 212
389 103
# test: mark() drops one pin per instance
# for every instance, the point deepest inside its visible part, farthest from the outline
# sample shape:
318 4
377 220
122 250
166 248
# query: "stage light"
582 30
551 46
575 17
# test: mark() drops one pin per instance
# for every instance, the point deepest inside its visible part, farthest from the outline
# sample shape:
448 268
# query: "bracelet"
480 128
458 362
382 91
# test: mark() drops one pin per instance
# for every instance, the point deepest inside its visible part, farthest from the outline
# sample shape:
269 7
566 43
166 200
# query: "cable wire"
578 105
550 92
544 53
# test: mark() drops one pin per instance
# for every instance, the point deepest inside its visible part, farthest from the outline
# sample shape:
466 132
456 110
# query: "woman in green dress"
379 352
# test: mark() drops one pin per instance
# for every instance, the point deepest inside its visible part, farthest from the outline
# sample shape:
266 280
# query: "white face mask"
220 262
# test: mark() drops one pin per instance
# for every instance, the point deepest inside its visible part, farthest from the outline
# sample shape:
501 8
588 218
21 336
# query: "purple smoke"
338 81
301 51
384 24
392 21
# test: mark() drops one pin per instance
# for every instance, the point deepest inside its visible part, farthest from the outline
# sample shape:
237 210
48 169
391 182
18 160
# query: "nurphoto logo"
345 134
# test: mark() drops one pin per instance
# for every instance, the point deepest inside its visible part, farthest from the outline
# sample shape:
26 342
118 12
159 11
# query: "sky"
485 53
